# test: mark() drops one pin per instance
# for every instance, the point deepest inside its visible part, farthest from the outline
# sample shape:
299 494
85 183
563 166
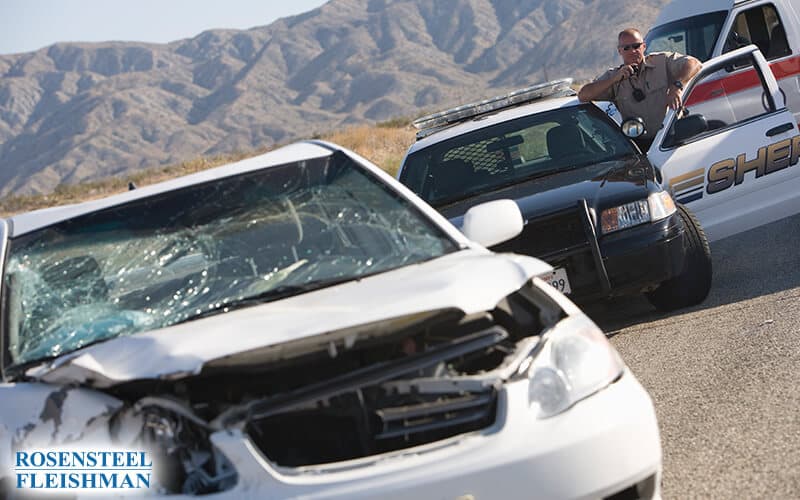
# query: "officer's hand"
624 71
674 97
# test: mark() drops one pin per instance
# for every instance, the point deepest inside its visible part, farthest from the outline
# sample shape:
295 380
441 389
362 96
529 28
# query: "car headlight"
657 206
575 361
661 205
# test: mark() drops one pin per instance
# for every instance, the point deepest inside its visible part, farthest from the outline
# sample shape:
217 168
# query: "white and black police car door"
731 154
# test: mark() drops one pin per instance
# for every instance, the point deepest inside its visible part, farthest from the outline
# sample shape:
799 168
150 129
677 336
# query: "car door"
730 154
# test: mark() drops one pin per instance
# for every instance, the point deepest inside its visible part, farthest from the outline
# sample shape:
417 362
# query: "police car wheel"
692 285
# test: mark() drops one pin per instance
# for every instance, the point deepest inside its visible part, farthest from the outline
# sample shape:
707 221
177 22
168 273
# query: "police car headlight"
624 216
657 206
661 205
575 362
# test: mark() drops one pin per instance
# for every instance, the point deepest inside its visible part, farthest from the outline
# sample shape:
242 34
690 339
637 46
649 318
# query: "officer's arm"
688 69
600 89
595 89
684 73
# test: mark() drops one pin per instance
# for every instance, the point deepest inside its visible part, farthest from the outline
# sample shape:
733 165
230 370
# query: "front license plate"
559 280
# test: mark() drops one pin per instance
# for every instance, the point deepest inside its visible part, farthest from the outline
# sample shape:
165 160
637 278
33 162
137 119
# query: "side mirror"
689 126
633 127
492 222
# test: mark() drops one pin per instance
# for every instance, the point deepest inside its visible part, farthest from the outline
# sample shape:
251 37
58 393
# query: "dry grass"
383 144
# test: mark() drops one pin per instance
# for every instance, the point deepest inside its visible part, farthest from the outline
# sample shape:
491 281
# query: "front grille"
565 239
550 236
394 402
332 434
469 412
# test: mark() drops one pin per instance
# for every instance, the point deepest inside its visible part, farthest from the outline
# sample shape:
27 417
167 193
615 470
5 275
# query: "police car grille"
550 236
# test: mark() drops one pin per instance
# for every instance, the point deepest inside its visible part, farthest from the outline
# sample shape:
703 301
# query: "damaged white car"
300 325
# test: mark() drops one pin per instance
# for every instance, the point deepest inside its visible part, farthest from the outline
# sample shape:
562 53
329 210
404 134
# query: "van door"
773 28
731 159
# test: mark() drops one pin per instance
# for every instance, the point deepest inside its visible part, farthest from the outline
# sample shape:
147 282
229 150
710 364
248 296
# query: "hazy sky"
27 25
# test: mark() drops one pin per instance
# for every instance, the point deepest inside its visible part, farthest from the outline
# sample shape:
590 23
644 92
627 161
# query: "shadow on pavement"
758 262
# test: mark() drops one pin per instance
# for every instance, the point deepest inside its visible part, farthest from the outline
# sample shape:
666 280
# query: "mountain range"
73 112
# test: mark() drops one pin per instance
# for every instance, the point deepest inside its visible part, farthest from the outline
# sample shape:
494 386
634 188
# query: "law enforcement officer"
643 86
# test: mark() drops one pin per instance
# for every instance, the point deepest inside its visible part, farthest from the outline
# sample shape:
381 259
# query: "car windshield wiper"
20 369
447 200
501 185
16 371
279 292
556 170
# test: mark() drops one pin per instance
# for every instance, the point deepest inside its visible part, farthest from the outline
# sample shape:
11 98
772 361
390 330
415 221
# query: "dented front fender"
37 415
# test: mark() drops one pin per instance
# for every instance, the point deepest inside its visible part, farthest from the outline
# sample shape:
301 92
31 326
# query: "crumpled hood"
471 280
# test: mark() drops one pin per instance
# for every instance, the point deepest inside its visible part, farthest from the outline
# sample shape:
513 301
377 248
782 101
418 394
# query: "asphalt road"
725 376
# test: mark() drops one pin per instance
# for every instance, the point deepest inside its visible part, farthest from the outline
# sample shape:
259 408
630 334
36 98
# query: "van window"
762 26
713 105
695 36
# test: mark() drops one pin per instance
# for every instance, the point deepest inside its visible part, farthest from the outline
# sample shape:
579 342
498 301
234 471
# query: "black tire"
692 285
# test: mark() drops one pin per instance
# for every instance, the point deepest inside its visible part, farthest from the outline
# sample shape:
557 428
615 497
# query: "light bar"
527 94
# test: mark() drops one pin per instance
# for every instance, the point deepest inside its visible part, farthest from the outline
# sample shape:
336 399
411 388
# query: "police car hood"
602 185
470 281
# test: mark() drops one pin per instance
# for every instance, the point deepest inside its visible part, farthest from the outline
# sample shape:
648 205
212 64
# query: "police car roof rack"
435 122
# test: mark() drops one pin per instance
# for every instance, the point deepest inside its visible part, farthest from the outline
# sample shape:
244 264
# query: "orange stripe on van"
741 81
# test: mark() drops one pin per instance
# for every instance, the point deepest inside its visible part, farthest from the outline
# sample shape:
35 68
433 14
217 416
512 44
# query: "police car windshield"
696 35
510 152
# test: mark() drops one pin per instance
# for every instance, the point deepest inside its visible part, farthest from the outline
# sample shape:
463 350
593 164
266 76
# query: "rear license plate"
559 280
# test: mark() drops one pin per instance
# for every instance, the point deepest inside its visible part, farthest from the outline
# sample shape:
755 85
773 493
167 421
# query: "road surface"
725 376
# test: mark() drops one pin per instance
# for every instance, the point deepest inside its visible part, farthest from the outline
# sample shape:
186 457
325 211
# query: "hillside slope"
73 112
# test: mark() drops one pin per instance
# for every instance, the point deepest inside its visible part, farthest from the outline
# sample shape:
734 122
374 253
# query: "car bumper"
642 257
592 450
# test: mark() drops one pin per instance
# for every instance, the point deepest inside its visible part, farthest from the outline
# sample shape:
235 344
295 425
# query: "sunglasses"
634 46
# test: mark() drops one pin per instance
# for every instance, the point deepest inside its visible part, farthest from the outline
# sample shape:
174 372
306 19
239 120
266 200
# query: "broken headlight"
575 361
186 460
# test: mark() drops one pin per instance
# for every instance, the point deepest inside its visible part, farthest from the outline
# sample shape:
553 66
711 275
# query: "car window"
513 151
162 260
714 104
762 26
696 35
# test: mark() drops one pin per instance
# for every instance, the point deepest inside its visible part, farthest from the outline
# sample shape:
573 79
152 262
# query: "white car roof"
20 224
31 221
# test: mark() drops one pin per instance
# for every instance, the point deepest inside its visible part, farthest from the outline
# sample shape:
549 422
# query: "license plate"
559 280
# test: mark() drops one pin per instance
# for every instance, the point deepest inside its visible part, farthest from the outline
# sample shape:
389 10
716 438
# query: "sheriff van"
731 153
714 27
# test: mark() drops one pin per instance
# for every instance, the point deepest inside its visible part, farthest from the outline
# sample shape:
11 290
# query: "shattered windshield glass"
204 249
533 146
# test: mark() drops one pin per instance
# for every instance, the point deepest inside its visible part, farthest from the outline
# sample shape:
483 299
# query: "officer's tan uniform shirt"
654 78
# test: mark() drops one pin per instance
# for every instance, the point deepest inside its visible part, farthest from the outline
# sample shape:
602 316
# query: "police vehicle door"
730 154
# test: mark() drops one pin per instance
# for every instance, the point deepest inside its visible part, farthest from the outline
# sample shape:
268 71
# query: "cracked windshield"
206 249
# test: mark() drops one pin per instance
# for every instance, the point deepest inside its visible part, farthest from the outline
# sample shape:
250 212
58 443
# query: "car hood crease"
456 281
